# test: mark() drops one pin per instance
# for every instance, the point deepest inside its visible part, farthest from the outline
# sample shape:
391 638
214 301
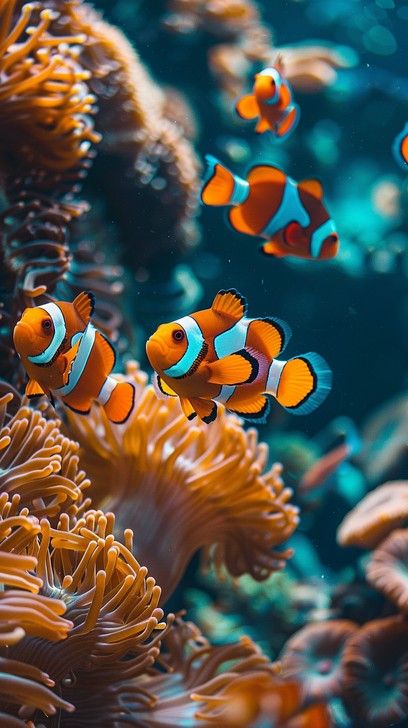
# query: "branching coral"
39 463
313 656
387 568
182 488
375 669
375 516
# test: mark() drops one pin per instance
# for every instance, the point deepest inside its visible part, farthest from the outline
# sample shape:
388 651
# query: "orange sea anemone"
24 615
39 463
375 673
183 487
44 101
375 516
193 673
387 568
313 657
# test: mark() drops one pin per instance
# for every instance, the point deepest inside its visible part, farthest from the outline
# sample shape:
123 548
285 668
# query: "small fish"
66 357
400 148
218 355
291 216
271 103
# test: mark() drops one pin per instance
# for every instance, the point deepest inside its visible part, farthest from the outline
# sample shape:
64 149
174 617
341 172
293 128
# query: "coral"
375 516
39 463
375 670
153 169
313 657
386 569
184 487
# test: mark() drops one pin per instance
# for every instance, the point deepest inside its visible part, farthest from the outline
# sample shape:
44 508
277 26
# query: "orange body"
271 102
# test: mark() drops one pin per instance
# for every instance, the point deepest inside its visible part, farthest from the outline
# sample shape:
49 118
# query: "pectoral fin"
247 107
238 368
33 389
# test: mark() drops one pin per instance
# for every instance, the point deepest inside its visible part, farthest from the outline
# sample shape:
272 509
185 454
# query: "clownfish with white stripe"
65 356
219 356
290 216
271 103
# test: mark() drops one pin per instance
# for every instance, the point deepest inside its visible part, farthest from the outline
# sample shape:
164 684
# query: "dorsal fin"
313 187
108 352
230 303
84 305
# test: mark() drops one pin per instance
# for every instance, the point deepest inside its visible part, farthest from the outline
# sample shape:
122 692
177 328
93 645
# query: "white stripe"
290 210
80 361
106 390
232 340
59 334
274 375
320 235
195 341
227 390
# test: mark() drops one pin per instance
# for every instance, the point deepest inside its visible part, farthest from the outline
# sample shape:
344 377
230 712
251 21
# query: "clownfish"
271 102
218 355
65 356
291 216
400 148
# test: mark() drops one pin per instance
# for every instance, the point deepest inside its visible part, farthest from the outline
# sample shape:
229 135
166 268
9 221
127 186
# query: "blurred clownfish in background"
291 216
66 357
219 356
271 103
400 148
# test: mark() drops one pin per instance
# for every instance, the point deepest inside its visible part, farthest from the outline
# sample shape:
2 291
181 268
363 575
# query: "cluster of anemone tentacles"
83 635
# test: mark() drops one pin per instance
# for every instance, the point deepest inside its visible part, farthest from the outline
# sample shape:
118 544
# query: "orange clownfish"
66 357
220 356
400 148
271 102
291 216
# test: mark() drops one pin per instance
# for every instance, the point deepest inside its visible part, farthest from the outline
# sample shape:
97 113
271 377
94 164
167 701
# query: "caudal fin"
120 403
221 187
304 383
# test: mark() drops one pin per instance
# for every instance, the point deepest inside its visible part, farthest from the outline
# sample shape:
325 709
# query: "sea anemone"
111 602
184 487
386 569
313 657
24 614
375 673
39 463
375 516
44 102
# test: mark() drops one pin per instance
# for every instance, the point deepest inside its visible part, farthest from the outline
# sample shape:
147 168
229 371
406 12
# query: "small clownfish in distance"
219 356
271 103
400 148
291 216
66 357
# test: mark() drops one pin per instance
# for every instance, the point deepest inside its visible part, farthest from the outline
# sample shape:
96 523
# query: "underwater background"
162 572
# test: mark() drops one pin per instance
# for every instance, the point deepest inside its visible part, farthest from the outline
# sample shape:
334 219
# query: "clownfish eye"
46 325
178 335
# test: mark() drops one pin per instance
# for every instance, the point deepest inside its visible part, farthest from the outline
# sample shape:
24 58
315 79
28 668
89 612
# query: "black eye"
178 335
47 325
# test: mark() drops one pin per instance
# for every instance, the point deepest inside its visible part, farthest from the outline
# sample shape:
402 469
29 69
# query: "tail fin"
304 383
120 403
222 187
